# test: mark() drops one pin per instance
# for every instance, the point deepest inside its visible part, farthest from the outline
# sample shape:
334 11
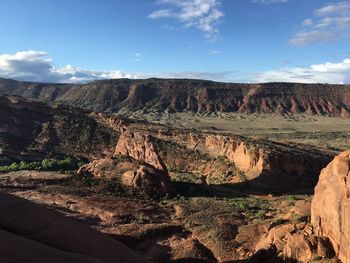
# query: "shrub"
67 164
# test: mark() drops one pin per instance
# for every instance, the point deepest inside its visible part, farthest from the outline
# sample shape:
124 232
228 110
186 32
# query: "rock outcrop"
31 131
139 176
200 96
267 166
28 225
295 242
294 238
140 147
249 160
328 235
330 208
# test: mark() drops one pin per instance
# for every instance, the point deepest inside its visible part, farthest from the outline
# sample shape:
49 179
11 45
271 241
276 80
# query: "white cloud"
339 8
35 65
38 66
336 73
330 23
201 14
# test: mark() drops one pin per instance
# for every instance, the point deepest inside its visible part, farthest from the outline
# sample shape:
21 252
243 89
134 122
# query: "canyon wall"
227 159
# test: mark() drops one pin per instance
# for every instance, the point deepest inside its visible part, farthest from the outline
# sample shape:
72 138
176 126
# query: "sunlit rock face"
331 205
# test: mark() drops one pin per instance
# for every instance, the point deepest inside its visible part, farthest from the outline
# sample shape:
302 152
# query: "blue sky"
224 40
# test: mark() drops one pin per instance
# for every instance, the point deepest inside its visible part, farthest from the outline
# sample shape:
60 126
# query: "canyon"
149 190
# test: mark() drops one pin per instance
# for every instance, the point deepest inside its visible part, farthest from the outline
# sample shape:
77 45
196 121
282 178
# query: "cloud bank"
336 73
33 65
329 23
38 66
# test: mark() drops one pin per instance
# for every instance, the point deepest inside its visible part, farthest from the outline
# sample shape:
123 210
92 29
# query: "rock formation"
176 95
137 175
329 232
31 130
28 225
331 205
223 159
295 242
140 147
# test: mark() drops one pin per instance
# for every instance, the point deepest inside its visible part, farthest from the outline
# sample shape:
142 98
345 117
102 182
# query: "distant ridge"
185 95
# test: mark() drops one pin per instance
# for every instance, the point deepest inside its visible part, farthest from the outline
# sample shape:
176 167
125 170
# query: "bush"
67 164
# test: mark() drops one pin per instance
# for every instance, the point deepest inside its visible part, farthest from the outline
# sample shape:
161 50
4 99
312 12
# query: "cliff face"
140 147
330 208
226 159
32 131
169 95
247 159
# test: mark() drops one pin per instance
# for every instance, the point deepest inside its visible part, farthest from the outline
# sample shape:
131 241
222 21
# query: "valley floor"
320 131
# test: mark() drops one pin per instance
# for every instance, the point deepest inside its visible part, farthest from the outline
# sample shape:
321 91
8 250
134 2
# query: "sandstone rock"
295 243
140 147
130 173
330 209
297 248
276 236
302 208
266 165
31 221
17 249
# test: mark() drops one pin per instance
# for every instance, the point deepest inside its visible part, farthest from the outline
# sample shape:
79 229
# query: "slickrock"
17 249
330 209
40 225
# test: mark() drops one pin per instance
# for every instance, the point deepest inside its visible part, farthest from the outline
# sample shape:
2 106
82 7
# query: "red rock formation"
140 147
268 166
170 95
135 174
41 228
330 208
247 159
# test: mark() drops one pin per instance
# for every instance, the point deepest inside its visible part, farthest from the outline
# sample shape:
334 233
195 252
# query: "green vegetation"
316 258
67 164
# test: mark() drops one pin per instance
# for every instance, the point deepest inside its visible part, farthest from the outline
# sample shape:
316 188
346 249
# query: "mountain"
198 96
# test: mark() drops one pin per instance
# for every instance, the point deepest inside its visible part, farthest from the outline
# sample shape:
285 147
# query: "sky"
77 41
